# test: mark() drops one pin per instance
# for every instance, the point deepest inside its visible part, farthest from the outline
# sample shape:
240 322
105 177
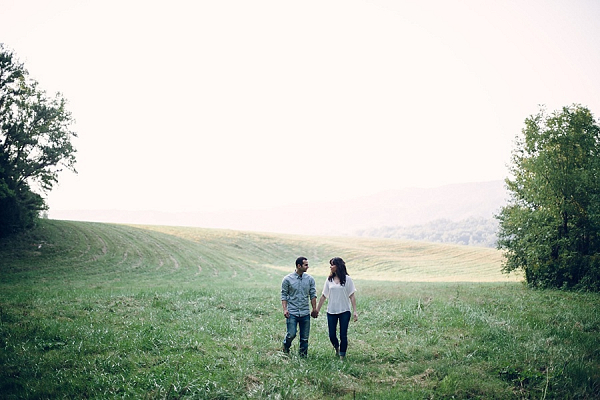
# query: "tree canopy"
35 144
550 228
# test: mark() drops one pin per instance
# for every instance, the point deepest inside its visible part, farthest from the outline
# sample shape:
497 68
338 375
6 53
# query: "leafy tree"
550 228
35 144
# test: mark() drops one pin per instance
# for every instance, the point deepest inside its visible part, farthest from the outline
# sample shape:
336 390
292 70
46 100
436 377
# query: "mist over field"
394 213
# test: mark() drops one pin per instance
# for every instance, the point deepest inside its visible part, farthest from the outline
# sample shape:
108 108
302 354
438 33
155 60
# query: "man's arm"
312 290
284 297
286 313
314 313
313 294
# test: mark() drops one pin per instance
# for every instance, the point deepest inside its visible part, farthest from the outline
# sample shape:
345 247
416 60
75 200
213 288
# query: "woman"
339 290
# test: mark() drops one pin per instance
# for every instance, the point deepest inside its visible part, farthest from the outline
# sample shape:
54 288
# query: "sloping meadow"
104 311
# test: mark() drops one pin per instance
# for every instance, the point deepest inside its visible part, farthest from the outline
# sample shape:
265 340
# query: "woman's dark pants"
332 321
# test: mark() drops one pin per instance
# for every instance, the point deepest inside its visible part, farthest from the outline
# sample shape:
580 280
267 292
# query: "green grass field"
91 310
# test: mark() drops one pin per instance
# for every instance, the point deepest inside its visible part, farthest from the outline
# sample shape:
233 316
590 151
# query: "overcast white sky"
205 105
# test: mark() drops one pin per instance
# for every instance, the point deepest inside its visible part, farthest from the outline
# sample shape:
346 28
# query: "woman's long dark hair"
340 270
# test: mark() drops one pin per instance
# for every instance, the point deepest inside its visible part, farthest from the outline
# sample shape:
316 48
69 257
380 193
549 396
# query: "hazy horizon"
402 207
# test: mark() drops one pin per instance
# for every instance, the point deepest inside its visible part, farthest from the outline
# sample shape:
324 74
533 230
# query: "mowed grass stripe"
105 248
372 259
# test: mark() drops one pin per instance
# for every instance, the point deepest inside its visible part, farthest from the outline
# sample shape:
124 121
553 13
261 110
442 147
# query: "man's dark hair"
300 260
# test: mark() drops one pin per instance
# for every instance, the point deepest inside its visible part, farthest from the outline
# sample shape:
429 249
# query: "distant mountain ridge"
394 208
473 231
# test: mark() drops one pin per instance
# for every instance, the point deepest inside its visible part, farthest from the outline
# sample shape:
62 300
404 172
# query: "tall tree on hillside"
35 144
551 227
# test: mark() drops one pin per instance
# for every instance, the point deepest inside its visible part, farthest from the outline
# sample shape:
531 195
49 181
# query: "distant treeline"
471 231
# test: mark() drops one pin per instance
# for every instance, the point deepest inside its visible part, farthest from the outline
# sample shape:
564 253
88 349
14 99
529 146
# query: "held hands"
315 314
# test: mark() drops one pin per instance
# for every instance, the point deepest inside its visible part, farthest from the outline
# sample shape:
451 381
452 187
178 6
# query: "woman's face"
333 267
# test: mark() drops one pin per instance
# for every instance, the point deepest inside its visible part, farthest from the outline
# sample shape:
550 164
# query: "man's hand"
286 313
314 314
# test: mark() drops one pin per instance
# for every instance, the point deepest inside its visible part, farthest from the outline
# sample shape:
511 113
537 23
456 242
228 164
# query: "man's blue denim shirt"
298 291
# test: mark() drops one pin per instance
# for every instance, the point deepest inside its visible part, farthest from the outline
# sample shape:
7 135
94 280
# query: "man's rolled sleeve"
285 290
313 289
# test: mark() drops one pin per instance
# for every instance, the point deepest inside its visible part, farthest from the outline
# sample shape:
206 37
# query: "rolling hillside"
368 258
194 251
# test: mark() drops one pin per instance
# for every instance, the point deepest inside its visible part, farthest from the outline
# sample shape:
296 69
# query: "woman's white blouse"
338 296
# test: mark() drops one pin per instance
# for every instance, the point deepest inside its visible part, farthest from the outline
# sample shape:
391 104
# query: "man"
296 290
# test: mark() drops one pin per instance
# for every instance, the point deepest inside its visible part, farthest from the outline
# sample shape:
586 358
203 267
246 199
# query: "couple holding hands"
298 289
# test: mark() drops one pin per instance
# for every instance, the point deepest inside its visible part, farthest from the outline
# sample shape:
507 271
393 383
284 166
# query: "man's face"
304 267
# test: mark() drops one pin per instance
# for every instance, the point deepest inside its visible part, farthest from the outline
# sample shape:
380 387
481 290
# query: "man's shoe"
337 351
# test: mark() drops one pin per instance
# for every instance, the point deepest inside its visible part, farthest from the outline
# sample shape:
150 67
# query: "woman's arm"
353 301
321 301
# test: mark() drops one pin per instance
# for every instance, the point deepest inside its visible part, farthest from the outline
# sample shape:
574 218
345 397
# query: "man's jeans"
292 325
332 320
